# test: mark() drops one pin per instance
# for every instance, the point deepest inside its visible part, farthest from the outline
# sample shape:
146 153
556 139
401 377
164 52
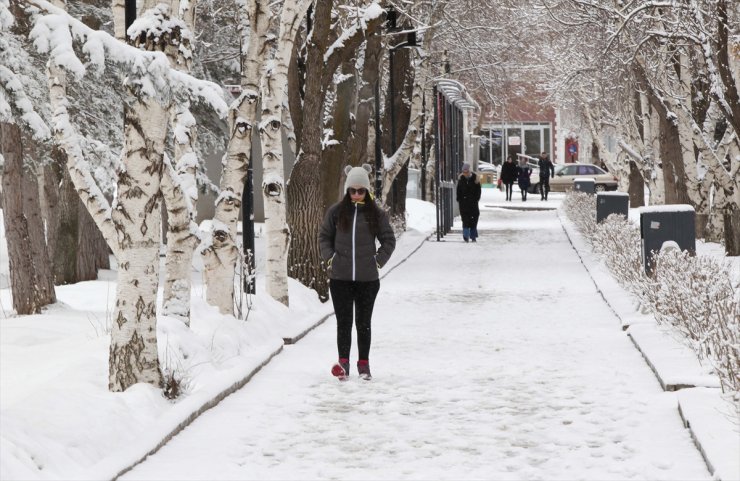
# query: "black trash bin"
608 203
662 223
587 185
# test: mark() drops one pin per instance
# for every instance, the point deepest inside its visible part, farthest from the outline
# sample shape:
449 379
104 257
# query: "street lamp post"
378 153
423 146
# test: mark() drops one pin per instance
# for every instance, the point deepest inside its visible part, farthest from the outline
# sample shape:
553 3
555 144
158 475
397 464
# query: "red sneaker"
340 370
363 367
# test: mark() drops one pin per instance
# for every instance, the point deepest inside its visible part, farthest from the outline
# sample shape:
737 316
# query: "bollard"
608 203
662 223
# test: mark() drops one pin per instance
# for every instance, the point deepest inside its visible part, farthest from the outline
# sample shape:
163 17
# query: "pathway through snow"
495 360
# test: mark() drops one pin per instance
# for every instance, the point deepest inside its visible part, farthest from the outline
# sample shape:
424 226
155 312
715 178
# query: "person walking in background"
508 175
468 195
547 170
347 241
523 171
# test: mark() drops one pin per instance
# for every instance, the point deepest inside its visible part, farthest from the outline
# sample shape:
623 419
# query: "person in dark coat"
347 242
468 195
508 175
523 171
547 170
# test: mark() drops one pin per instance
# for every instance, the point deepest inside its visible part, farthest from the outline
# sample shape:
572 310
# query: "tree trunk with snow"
337 156
305 203
133 355
31 279
133 351
362 143
405 108
308 193
408 123
274 95
118 8
182 232
221 254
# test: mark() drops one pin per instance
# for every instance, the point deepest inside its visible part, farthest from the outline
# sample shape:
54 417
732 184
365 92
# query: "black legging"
509 190
544 186
361 295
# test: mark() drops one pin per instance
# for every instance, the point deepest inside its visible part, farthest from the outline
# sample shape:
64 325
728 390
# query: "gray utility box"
587 186
662 223
608 203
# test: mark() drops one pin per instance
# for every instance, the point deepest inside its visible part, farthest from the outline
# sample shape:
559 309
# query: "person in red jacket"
347 241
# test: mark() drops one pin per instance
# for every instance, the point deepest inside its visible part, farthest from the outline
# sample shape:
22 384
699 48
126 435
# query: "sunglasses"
360 191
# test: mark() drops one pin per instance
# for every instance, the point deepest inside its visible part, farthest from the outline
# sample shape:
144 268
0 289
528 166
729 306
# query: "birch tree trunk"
651 170
31 279
182 231
119 19
131 227
133 355
274 91
221 254
133 351
63 234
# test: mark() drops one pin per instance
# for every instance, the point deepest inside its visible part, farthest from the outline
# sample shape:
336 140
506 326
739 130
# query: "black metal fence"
449 143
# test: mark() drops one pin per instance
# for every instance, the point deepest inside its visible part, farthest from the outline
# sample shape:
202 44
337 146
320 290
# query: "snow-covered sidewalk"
495 360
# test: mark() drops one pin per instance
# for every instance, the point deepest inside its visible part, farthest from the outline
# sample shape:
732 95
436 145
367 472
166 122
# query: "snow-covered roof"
457 94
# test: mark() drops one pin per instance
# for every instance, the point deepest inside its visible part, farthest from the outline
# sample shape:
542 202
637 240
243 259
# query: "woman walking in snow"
468 195
523 171
347 240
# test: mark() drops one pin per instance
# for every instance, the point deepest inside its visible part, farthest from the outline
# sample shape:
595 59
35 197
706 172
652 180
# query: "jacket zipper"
354 231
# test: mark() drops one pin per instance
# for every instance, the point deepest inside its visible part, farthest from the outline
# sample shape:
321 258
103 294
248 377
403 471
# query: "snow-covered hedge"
693 294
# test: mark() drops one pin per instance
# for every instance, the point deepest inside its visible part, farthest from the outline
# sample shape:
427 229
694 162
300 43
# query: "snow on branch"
6 19
12 93
373 12
12 96
55 32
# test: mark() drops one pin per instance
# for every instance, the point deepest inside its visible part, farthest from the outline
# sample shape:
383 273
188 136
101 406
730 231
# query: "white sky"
495 360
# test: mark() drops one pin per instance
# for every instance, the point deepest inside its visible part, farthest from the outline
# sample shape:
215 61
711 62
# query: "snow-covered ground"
495 360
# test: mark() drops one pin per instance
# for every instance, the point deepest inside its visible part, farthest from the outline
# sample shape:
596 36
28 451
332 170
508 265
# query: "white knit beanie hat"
357 176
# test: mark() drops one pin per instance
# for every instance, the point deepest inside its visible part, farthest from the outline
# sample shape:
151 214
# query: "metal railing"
450 100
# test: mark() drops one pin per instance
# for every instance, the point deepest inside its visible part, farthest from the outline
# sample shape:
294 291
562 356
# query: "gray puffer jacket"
353 254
